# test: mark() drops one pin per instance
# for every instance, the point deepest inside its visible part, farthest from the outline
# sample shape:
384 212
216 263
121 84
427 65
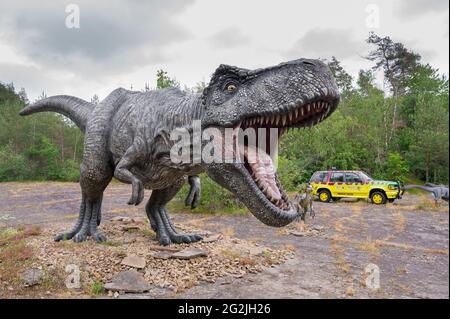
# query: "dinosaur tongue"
263 171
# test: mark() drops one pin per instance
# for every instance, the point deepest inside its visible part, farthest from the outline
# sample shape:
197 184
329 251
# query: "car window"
337 177
319 177
353 178
366 176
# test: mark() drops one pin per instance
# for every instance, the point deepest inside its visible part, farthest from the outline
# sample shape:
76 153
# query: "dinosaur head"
294 94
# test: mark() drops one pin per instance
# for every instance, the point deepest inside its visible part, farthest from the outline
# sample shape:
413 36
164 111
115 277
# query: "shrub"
396 167
13 166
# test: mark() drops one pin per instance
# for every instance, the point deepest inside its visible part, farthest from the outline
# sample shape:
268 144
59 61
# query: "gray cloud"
414 8
324 43
31 78
228 38
114 36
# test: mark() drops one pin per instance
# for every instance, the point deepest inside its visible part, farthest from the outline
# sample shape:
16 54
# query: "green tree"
343 79
164 81
396 167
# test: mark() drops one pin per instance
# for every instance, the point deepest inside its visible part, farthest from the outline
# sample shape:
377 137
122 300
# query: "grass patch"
430 205
97 288
10 235
13 259
340 262
110 244
148 233
231 254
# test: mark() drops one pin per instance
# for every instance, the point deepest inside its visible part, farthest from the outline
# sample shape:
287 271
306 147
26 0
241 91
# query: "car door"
318 180
337 185
353 184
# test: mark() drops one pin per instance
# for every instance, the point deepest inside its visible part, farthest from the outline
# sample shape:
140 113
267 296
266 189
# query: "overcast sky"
124 43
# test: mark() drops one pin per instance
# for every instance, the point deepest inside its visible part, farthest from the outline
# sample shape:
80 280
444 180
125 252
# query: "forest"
397 130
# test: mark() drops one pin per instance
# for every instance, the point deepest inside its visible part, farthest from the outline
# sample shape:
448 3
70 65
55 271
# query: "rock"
121 219
31 277
128 281
256 251
297 233
139 220
190 253
318 228
134 261
130 227
162 255
212 238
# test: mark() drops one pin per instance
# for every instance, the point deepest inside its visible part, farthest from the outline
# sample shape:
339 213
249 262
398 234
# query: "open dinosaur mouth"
258 163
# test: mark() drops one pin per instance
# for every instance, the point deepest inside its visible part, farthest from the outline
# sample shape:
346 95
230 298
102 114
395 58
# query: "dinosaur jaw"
254 180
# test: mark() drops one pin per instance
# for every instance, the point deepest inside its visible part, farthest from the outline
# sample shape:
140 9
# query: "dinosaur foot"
86 225
81 235
166 231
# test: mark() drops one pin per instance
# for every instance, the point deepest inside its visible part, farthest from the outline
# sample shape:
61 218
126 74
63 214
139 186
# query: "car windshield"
365 176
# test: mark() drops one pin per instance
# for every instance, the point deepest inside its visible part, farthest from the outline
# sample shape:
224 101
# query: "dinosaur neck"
184 113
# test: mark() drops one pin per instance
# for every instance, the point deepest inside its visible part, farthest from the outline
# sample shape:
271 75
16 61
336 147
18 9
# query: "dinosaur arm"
123 173
194 193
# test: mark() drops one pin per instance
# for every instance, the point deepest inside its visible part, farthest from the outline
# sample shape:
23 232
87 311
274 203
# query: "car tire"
378 198
324 196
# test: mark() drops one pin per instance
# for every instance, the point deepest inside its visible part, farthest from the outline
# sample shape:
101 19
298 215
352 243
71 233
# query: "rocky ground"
340 254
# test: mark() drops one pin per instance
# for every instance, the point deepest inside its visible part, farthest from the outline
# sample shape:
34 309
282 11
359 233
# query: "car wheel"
378 198
324 196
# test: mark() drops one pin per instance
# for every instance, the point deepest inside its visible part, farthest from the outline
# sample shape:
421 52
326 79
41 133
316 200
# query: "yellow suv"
337 184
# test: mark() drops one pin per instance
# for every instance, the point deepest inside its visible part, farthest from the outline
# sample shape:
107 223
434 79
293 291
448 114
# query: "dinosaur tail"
425 188
74 108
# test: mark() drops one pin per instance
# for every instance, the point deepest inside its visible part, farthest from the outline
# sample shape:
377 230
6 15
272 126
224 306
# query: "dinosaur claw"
63 236
99 238
165 240
78 238
137 194
194 193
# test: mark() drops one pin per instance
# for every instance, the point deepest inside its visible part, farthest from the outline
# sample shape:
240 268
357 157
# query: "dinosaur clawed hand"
137 194
193 197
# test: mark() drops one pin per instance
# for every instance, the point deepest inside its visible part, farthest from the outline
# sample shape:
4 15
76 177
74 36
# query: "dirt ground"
340 254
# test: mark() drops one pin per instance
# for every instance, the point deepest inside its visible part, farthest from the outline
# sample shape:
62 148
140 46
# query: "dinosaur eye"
231 88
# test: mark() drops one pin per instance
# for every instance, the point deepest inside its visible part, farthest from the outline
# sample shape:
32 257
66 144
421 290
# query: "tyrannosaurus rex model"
127 136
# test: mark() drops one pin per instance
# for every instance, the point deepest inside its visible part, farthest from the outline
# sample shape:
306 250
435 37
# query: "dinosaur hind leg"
160 220
93 182
76 228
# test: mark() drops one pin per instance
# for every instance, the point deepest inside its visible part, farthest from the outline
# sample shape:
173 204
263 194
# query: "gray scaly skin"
439 192
127 136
